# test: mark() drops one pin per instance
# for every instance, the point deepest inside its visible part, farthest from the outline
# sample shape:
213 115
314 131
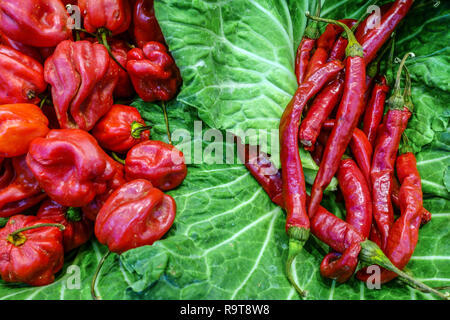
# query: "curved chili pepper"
121 129
22 192
370 22
375 109
19 125
348 113
160 163
124 87
294 189
83 78
70 166
22 48
77 230
144 212
153 72
37 23
337 52
145 25
374 39
317 153
21 77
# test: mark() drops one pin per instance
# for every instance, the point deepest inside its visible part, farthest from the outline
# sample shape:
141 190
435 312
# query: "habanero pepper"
124 87
6 172
22 48
145 25
83 78
19 125
21 77
294 188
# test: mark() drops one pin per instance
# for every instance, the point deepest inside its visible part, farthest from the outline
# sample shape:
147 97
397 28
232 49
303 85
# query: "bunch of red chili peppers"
61 132
339 85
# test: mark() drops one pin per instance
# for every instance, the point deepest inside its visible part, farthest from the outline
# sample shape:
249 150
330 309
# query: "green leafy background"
228 239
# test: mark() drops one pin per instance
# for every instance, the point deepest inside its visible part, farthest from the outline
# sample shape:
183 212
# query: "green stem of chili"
103 37
17 238
297 239
94 278
397 100
137 129
166 120
312 29
117 158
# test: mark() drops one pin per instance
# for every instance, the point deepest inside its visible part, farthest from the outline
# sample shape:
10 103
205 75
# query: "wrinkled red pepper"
153 72
6 172
22 48
144 214
83 78
145 26
124 87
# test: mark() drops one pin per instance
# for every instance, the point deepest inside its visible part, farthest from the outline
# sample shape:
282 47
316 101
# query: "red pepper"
135 215
83 78
338 50
158 162
77 230
19 125
145 25
370 22
31 250
37 23
22 192
375 109
124 87
121 129
113 15
6 172
317 153
22 48
70 166
153 72
348 113
21 77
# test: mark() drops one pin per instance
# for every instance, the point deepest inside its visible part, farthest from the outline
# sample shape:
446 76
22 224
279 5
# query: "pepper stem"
94 278
166 120
297 239
117 158
354 49
74 214
407 93
103 40
137 128
17 238
397 101
372 254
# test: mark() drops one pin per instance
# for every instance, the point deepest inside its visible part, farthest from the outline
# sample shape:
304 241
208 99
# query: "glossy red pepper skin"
36 260
70 166
19 125
21 77
294 189
348 114
145 25
22 192
375 38
83 78
76 233
158 162
382 169
22 48
144 213
321 107
375 109
124 87
337 52
37 23
113 131
368 23
341 266
113 15
153 72
6 172
302 58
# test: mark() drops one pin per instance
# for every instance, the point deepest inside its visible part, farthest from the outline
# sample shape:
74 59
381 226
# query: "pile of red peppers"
63 138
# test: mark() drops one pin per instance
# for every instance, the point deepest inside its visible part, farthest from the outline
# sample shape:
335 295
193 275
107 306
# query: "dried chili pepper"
294 189
19 125
121 129
83 78
145 25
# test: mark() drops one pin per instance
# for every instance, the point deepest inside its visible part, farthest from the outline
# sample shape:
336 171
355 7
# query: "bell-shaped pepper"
121 129
160 163
19 125
145 26
83 78
37 23
31 250
135 215
22 192
113 15
153 72
70 166
77 230
21 77
124 87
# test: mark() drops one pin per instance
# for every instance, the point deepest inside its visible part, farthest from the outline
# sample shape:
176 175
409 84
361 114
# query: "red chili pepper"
77 230
23 191
374 39
19 125
145 25
121 129
70 166
338 50
144 213
348 113
158 162
6 172
22 48
37 23
371 21
83 78
294 189
153 72
375 109
317 153
21 77
124 87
